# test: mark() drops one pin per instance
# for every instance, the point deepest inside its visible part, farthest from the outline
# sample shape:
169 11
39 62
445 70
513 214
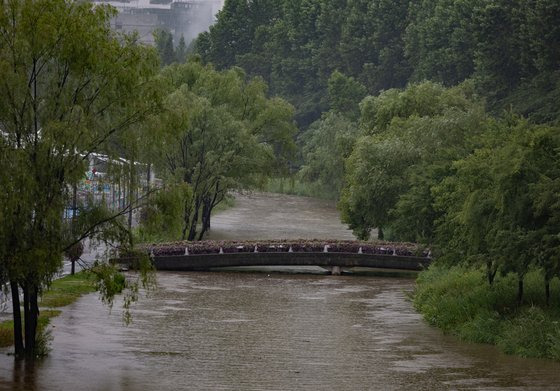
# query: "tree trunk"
206 212
73 267
31 314
547 290
380 235
74 217
194 221
490 274
74 202
18 335
119 195
520 291
130 199
186 218
148 177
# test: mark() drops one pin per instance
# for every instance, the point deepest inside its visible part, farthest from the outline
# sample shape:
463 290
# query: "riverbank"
62 292
296 187
460 302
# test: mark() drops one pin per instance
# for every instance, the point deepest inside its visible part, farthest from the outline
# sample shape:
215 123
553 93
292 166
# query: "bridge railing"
279 246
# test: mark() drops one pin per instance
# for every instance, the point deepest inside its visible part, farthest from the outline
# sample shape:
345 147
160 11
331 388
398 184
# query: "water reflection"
242 331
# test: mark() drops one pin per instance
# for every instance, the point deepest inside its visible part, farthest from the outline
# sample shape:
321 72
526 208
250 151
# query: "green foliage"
6 333
374 182
170 53
426 99
345 94
297 45
411 138
326 145
164 45
181 51
109 282
440 40
162 218
491 206
292 45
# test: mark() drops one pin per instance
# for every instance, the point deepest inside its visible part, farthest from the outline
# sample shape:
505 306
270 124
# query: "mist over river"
267 331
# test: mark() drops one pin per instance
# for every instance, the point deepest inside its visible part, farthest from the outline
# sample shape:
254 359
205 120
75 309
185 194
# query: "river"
267 331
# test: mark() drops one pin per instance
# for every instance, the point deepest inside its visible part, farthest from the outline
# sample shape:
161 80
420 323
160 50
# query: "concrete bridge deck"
335 260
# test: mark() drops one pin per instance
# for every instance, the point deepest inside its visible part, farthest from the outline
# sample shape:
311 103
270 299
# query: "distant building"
185 18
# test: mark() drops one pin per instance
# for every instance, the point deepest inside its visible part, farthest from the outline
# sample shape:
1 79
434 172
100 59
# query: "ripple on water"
285 333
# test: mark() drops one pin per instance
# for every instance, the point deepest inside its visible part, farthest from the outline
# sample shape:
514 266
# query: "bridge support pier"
336 271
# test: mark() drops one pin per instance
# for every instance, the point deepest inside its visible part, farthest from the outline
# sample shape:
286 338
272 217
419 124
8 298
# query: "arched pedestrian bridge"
333 255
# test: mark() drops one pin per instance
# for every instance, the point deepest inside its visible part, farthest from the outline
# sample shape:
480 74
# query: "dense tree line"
433 166
433 121
511 48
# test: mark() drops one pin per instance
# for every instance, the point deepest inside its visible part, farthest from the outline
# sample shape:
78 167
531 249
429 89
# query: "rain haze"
185 18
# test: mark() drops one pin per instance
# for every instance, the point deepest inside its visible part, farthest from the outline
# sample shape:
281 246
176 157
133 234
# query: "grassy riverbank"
293 186
62 292
460 302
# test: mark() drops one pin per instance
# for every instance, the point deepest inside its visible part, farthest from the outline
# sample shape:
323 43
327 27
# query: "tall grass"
460 302
294 186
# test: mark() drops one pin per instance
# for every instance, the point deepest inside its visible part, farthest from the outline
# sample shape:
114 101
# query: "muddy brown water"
266 331
278 216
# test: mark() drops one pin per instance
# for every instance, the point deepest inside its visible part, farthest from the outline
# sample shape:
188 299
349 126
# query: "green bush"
533 332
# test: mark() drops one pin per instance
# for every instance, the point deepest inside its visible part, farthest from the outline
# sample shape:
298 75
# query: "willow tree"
69 86
221 133
501 206
408 134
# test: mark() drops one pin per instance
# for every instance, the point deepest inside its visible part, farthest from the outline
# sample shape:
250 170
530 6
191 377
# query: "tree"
407 134
70 86
345 95
499 28
165 47
221 133
440 40
374 180
326 145
181 51
228 37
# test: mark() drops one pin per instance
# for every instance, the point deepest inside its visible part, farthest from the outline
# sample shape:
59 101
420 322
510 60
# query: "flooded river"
265 331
